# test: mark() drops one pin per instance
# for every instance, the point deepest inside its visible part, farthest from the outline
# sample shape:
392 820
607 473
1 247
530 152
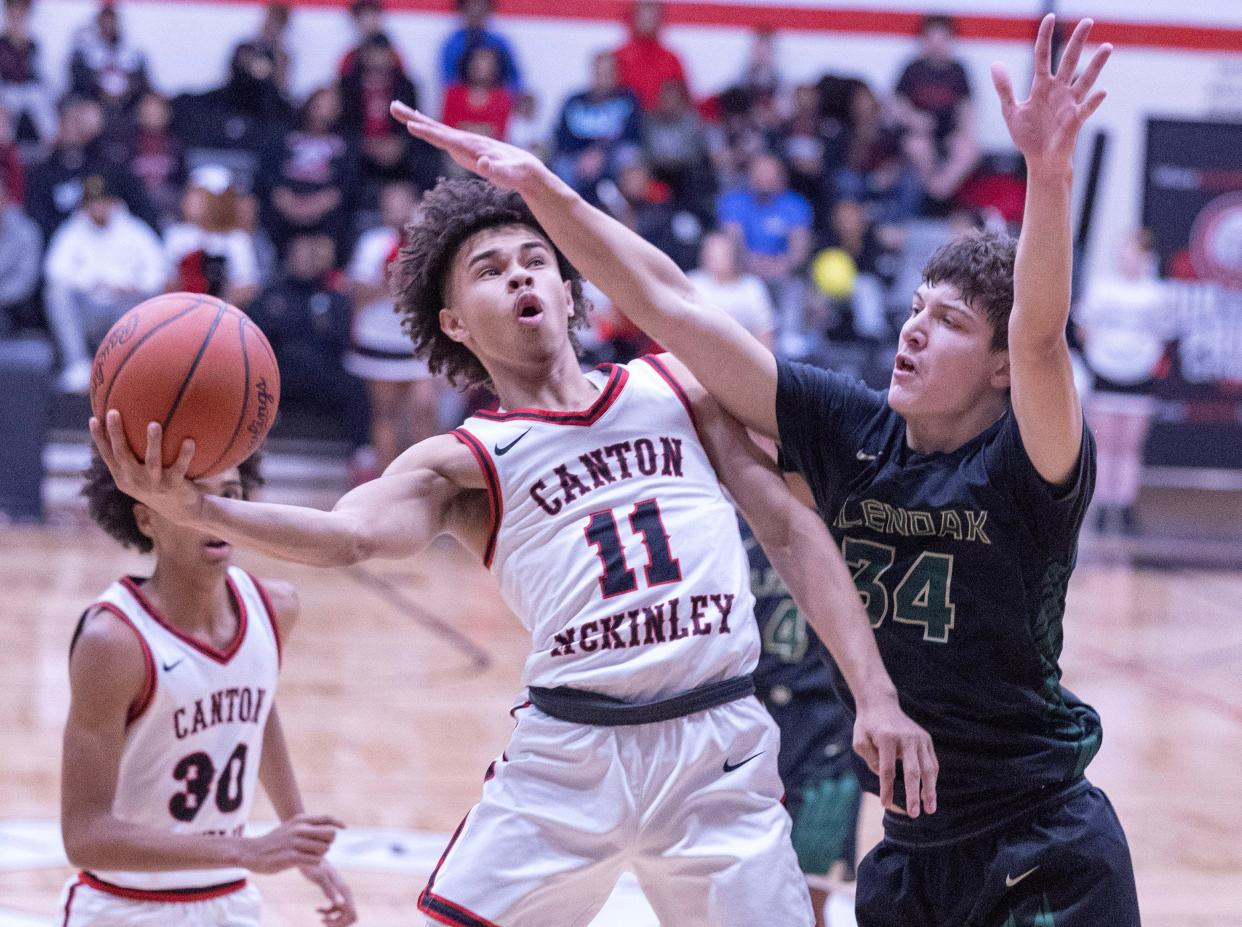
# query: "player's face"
945 364
186 548
507 301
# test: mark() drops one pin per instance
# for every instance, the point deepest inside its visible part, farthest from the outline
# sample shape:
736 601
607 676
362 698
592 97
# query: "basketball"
199 367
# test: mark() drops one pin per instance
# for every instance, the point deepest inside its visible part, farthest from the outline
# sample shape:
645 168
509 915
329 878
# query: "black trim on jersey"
444 911
659 367
578 706
495 503
380 354
617 375
220 656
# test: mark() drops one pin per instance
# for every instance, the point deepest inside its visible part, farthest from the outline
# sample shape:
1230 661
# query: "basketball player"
957 496
796 681
173 725
595 500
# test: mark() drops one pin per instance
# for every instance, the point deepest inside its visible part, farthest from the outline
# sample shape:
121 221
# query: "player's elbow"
85 844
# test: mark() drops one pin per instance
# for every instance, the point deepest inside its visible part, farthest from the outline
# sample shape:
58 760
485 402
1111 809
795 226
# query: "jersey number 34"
920 597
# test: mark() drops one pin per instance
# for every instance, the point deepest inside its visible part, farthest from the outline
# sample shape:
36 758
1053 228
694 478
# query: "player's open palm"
167 490
340 910
1044 127
883 735
300 841
498 162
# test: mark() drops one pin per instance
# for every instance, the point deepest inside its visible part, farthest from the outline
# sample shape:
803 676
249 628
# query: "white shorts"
691 806
82 905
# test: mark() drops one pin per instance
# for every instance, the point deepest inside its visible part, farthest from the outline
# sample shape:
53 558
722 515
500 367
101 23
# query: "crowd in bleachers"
800 208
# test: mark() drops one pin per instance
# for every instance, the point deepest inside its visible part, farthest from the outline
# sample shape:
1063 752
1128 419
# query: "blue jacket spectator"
598 121
475 34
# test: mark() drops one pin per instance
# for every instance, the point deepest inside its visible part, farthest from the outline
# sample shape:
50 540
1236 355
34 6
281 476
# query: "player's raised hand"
165 489
300 841
1044 127
882 736
340 911
503 164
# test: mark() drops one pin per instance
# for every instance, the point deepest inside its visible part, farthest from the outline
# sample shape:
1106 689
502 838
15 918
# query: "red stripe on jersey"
495 504
445 912
603 402
271 618
147 694
206 893
659 367
220 656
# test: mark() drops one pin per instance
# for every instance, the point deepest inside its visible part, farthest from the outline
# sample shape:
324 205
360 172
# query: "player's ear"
999 378
568 286
142 518
453 325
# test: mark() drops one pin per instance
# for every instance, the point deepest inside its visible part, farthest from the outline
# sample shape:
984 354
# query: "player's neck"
197 602
561 388
944 434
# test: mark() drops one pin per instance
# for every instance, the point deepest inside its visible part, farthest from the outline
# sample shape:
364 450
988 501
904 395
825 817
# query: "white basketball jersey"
613 542
193 745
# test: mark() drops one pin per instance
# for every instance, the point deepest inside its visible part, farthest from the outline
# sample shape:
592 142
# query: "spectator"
103 66
594 124
472 34
736 138
805 149
21 249
238 120
100 263
387 152
761 76
22 92
310 173
272 39
720 281
368 17
524 128
1124 324
54 185
157 156
209 250
404 396
933 102
478 101
12 170
645 205
676 146
643 63
774 226
306 317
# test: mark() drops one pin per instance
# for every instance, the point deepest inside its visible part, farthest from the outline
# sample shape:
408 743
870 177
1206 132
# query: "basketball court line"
36 844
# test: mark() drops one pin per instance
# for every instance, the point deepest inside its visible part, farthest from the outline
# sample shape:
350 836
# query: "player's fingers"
322 834
887 770
931 772
102 444
1086 80
912 770
309 850
1093 103
402 112
1003 85
1043 46
321 820
866 749
116 439
1073 50
181 466
154 458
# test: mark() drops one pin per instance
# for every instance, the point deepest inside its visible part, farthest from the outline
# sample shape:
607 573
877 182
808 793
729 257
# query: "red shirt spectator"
643 64
479 102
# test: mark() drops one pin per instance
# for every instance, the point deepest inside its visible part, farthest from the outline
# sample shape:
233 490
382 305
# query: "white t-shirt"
1126 323
745 298
241 263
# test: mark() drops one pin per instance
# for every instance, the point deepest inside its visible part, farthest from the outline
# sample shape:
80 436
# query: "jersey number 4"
603 534
921 597
199 773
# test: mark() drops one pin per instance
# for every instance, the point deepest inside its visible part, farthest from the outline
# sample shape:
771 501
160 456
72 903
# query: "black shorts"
1066 864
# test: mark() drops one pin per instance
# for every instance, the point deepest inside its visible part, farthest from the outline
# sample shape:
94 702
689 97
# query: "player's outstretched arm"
396 515
1045 129
641 281
107 675
803 553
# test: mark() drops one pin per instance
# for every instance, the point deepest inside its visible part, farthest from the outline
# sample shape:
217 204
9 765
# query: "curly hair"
980 266
452 212
113 510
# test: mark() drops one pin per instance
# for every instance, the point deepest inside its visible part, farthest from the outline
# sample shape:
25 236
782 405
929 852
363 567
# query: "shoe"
75 378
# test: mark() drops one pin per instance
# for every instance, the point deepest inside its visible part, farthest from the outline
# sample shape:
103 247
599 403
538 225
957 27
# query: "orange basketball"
200 368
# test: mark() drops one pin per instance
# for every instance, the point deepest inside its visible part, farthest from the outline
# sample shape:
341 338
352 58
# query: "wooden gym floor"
396 688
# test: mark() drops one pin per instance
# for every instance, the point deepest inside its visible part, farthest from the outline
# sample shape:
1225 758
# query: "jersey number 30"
198 772
920 597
